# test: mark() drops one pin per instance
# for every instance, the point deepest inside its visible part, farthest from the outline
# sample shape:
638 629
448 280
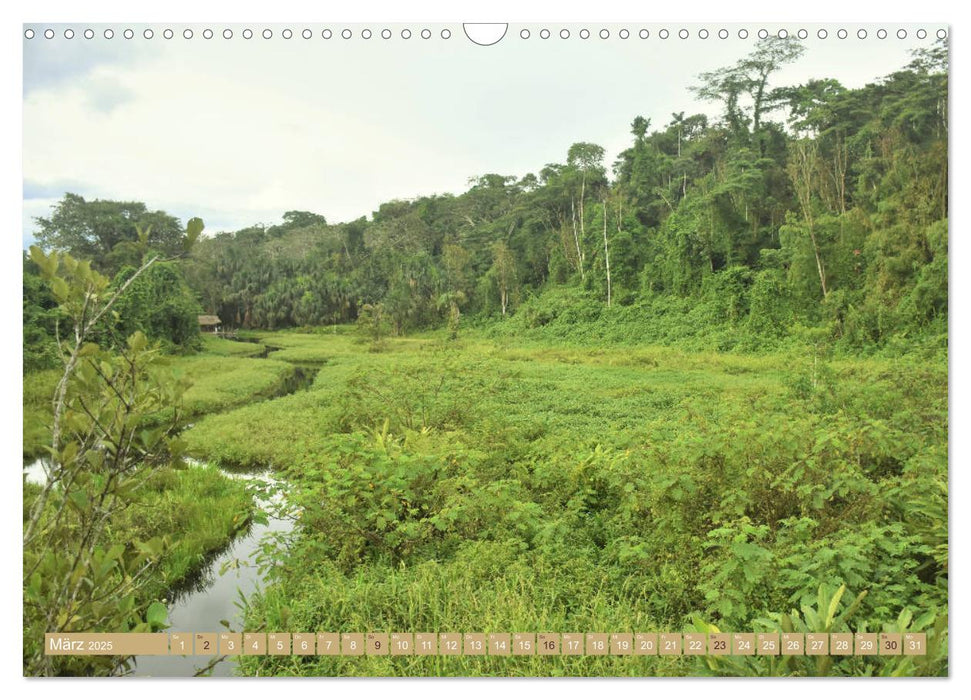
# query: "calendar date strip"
486 644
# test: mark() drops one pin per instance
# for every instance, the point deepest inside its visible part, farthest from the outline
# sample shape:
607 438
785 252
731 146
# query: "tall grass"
500 485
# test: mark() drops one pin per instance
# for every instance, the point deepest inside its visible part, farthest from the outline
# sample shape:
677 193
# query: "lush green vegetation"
187 514
38 394
220 381
215 345
217 379
103 535
811 205
708 392
475 485
200 501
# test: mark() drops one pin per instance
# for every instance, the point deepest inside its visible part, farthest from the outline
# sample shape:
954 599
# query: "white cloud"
245 130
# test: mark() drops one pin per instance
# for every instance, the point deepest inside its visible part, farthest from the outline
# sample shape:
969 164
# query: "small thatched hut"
209 324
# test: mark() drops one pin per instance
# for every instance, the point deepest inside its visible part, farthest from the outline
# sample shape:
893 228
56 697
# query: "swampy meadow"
708 392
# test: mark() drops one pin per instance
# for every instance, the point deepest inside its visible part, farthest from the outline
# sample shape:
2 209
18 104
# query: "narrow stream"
212 596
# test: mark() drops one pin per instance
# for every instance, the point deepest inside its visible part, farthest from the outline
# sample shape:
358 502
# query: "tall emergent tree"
106 232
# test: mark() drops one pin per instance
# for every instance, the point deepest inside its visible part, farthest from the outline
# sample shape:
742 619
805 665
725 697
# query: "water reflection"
214 596
36 471
201 603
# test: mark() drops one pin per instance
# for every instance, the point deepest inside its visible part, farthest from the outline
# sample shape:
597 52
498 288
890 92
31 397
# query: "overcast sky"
238 131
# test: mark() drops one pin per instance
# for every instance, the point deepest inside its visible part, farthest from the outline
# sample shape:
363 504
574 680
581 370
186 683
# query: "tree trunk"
684 174
606 253
819 261
577 235
802 177
583 232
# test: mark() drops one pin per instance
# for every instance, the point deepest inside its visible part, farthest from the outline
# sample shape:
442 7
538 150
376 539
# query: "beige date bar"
106 644
493 644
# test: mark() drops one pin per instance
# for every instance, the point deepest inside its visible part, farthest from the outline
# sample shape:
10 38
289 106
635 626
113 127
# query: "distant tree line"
815 204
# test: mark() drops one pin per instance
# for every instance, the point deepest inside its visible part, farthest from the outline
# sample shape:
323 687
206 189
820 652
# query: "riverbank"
191 514
199 518
214 597
224 375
